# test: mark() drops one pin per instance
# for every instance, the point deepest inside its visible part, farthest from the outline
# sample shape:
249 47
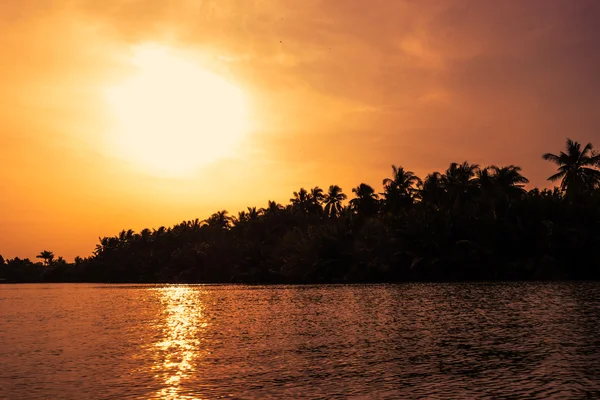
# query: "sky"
335 92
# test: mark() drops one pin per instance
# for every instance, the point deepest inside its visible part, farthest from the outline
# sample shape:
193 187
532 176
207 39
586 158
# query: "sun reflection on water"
180 345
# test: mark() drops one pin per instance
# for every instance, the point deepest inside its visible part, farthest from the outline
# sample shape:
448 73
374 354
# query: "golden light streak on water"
180 347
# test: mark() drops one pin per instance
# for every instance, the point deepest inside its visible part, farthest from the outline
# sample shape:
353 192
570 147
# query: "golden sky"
335 91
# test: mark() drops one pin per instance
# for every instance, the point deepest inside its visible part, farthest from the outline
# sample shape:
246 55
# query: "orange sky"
336 92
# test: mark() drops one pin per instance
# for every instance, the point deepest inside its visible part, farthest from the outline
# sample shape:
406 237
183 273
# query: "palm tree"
301 200
102 246
301 196
146 235
220 219
47 256
194 224
126 236
404 181
485 180
250 214
160 231
432 190
508 181
498 186
460 174
459 181
366 201
577 168
401 189
333 201
316 194
253 213
242 217
316 197
273 208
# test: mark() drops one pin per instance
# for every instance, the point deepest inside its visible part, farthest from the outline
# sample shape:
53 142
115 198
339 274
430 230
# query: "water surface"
450 341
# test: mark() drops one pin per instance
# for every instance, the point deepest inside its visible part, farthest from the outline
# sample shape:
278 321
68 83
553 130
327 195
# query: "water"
390 341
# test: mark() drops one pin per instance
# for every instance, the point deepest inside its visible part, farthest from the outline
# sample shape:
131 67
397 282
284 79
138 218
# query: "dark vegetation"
468 223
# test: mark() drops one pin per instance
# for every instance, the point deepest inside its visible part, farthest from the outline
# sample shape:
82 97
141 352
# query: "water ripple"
450 341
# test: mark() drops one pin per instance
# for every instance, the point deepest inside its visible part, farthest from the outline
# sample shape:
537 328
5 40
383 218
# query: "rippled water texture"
203 342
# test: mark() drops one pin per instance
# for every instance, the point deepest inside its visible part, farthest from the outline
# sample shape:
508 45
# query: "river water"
447 341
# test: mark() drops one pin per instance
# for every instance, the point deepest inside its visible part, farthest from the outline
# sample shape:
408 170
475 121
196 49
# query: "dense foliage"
468 223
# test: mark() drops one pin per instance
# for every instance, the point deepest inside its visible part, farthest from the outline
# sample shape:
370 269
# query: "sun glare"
172 116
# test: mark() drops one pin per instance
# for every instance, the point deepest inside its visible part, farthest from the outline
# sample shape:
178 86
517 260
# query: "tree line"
466 223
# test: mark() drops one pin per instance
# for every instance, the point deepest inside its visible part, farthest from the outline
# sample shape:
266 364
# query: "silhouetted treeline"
467 223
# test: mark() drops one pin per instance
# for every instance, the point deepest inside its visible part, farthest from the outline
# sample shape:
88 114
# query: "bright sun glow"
173 116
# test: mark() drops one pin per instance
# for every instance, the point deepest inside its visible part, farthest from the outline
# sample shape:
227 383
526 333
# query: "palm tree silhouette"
301 201
404 181
316 197
273 208
459 183
460 175
366 201
253 213
220 219
577 168
509 181
401 189
333 201
485 180
316 193
242 217
433 190
498 186
146 235
47 256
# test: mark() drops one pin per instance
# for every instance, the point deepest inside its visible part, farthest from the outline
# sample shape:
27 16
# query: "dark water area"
446 341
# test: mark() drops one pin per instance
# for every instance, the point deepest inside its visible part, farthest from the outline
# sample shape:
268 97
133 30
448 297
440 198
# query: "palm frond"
552 158
556 176
586 149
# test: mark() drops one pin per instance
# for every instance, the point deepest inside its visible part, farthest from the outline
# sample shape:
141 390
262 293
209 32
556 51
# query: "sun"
172 116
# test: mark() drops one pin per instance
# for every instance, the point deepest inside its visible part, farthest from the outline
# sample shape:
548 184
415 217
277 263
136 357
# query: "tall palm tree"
366 201
577 168
333 201
47 256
